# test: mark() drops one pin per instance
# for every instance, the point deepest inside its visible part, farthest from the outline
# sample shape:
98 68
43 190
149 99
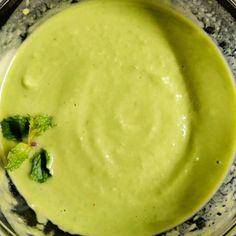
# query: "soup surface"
145 112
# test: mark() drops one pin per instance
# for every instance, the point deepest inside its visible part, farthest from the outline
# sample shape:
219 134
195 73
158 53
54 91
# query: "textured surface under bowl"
219 215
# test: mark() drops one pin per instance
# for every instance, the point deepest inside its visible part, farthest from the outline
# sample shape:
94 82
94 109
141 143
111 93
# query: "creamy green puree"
145 112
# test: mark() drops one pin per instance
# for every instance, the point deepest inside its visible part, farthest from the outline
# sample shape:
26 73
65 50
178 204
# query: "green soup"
145 111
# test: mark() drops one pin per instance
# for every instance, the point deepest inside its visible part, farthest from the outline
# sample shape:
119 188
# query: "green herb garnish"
39 124
15 128
40 171
17 155
20 128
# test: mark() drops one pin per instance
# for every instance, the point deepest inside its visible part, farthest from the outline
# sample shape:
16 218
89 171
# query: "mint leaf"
15 127
39 171
17 155
18 128
39 124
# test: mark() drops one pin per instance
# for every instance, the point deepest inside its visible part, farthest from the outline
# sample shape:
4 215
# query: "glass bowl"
19 18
